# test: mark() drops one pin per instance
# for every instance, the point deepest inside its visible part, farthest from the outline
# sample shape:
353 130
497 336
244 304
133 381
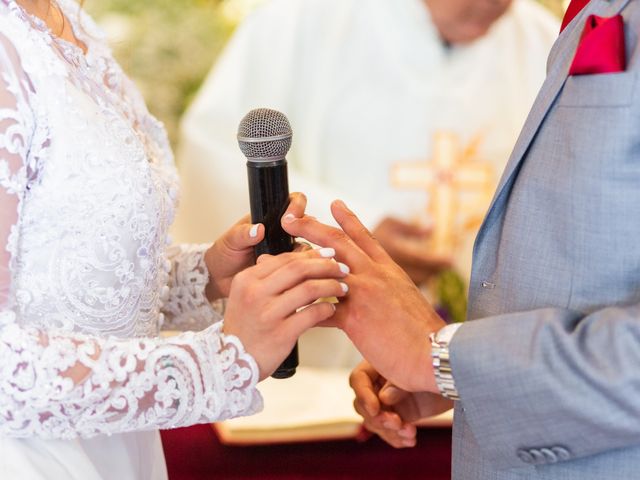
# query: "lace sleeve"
185 305
62 385
17 125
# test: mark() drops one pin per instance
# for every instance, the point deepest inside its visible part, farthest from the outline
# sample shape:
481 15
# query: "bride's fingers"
296 208
301 321
305 294
301 269
241 237
267 264
244 220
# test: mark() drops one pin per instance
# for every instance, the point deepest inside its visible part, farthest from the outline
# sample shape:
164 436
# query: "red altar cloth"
195 453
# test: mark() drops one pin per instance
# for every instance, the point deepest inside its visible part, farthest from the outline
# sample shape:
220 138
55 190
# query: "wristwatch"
440 360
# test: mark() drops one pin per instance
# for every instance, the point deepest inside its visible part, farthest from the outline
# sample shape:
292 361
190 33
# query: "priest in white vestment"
367 86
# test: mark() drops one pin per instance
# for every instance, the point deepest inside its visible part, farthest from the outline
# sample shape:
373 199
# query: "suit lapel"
564 51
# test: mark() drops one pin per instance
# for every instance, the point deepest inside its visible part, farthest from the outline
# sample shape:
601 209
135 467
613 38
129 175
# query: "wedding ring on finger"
303 245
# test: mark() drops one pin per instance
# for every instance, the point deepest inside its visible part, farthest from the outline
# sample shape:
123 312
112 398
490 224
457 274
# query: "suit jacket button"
538 457
549 456
562 453
525 456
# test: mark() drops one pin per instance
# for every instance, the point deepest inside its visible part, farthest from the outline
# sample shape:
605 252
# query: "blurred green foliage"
166 46
451 292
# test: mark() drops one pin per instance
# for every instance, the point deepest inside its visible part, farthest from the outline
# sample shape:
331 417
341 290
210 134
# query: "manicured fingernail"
327 252
289 218
253 233
405 433
345 287
344 268
387 425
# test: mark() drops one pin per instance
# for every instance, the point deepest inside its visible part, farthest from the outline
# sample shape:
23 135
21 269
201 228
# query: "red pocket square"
601 48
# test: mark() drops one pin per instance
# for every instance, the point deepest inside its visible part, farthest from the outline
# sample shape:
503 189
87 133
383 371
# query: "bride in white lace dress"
87 279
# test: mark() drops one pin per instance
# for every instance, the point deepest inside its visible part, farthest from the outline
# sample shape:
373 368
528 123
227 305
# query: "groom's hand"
390 412
385 315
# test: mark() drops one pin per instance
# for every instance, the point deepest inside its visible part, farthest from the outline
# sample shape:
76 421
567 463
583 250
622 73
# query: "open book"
313 405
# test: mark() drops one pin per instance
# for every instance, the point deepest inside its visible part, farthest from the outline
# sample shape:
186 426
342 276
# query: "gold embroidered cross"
459 188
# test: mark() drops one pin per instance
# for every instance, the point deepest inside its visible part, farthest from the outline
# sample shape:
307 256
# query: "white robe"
365 84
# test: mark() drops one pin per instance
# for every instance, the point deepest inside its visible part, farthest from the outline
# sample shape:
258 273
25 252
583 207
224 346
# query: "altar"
195 453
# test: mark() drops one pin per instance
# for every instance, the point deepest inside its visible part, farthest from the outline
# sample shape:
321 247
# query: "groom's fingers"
361 236
267 264
362 381
390 394
316 232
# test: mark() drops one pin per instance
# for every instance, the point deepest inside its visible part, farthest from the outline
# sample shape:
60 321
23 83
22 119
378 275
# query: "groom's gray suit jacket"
548 368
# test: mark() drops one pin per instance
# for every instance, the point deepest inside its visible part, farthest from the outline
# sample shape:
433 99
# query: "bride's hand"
233 251
262 310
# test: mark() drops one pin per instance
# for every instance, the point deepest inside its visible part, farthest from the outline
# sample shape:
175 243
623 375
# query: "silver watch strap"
440 361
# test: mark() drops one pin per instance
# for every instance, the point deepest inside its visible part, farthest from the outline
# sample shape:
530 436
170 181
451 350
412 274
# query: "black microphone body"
269 199
264 136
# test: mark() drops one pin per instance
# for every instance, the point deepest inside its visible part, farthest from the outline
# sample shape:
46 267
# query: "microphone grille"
264 134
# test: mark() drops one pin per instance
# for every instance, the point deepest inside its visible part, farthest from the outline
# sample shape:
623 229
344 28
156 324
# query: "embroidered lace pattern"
87 194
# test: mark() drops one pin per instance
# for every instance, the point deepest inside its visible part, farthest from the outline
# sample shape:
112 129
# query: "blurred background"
168 46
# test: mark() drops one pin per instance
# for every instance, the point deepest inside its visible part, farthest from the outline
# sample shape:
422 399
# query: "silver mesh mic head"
264 135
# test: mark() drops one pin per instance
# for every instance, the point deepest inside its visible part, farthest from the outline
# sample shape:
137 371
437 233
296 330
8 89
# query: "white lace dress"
87 194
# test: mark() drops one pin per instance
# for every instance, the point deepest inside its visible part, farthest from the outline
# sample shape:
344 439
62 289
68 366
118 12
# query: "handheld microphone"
264 137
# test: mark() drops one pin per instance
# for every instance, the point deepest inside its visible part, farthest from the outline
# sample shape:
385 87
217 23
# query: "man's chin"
466 37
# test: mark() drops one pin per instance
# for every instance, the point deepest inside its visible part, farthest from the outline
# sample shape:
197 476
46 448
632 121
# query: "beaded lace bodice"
87 194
